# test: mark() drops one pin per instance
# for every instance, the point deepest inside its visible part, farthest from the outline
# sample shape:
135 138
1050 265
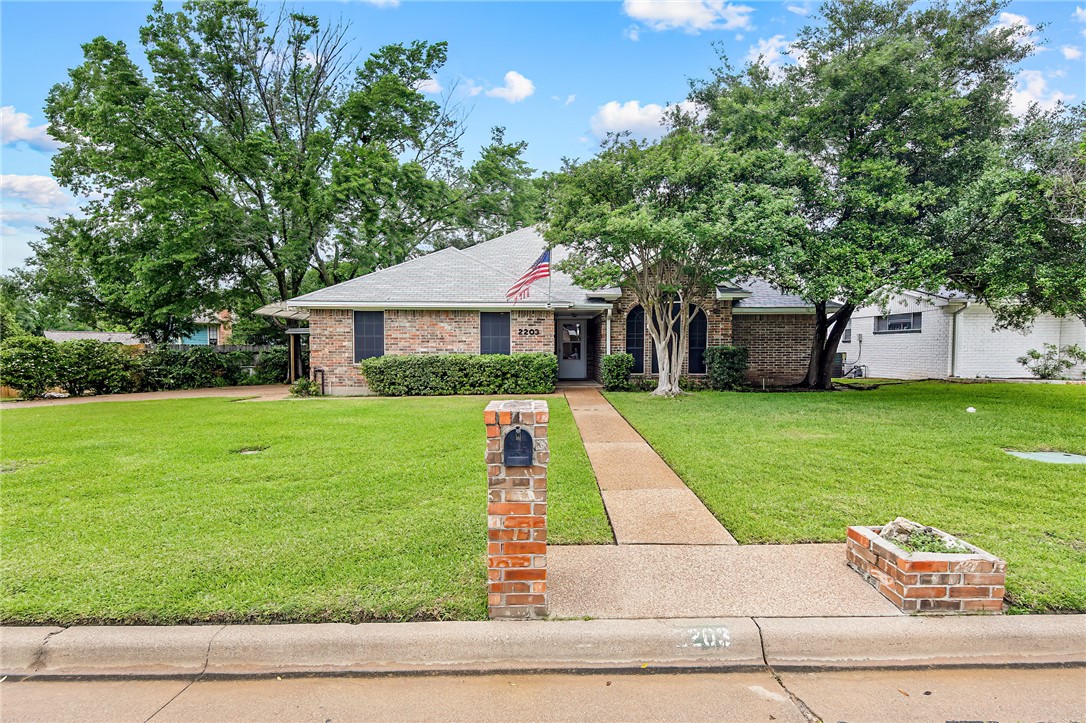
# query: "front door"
572 350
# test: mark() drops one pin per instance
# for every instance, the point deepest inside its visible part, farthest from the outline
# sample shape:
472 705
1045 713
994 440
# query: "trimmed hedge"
87 365
29 364
418 375
725 366
615 371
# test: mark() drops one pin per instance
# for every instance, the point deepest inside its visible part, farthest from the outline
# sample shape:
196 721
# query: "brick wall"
517 511
409 331
331 347
718 315
779 346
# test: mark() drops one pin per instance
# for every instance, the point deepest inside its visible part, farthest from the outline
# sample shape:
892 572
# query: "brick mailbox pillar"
517 453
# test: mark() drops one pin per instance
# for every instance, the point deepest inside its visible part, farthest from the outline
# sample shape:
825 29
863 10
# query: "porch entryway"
576 339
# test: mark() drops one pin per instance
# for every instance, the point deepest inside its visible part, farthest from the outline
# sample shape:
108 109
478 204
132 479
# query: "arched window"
698 338
635 338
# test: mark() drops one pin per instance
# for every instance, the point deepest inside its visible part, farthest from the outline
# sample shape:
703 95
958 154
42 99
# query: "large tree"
257 156
667 221
897 106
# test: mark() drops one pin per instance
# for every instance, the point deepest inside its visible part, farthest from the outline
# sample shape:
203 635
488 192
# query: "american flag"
541 269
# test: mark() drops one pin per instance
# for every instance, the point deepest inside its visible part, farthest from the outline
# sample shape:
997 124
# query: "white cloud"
383 3
1070 52
1023 30
799 8
15 128
567 101
772 51
429 85
691 16
1032 88
632 33
35 190
1079 14
516 88
643 121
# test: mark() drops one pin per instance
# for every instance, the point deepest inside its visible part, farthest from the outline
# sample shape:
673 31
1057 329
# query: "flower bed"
928 582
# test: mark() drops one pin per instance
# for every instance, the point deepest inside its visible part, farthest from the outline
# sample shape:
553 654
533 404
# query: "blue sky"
556 74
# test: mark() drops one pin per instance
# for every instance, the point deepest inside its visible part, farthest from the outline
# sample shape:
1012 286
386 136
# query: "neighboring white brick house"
922 336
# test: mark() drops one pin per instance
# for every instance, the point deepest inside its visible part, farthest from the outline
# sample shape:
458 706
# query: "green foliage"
198 367
726 366
1054 361
305 388
87 365
442 374
615 371
9 325
666 221
29 364
924 541
273 367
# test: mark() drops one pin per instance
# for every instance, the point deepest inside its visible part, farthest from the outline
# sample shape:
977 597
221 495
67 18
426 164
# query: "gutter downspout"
954 339
608 332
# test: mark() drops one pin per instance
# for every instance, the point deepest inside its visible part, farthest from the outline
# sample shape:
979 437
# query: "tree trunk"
827 336
669 339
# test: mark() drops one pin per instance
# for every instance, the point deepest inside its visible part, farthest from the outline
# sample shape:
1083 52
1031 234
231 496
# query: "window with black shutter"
635 338
494 332
369 334
698 339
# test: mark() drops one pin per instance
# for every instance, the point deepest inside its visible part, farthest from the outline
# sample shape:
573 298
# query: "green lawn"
356 510
800 467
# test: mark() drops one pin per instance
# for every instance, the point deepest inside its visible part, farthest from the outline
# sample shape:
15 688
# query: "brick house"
921 335
453 301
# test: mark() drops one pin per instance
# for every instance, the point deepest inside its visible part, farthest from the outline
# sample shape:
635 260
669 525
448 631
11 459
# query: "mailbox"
518 448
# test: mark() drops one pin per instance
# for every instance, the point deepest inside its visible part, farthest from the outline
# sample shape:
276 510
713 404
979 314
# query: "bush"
273 367
87 365
1054 361
199 367
29 364
443 374
725 366
615 371
305 388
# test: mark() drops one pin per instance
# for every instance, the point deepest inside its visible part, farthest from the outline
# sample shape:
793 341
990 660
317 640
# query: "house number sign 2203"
527 332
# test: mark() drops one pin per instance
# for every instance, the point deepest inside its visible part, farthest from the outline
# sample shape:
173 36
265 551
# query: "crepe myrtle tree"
897 105
667 221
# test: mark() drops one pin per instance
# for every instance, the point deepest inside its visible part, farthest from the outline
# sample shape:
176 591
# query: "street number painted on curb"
706 638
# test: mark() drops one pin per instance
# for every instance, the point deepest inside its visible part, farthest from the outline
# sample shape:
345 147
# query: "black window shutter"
494 332
369 334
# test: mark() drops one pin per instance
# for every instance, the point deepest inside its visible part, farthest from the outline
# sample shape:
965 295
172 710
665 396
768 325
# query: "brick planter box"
928 582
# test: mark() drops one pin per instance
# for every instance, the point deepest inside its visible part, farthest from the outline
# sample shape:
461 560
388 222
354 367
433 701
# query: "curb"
581 645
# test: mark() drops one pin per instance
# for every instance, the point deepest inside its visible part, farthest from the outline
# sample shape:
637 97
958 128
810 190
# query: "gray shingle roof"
113 337
481 274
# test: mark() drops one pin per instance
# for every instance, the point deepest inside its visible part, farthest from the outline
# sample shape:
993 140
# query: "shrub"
164 368
615 371
305 388
273 367
443 374
29 364
725 366
88 365
1054 361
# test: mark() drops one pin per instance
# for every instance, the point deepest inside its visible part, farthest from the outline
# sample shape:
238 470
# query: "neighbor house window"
896 323
369 334
212 336
635 338
698 338
494 332
846 337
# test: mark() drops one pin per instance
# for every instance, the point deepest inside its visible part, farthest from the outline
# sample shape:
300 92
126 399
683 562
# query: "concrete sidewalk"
645 500
475 647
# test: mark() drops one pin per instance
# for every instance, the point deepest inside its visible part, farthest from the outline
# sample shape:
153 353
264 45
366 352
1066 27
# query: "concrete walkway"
645 500
255 393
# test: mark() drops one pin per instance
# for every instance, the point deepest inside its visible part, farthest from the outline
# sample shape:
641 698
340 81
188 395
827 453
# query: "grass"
800 467
367 509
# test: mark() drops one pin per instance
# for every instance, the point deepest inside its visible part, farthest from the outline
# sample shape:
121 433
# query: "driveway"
255 393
